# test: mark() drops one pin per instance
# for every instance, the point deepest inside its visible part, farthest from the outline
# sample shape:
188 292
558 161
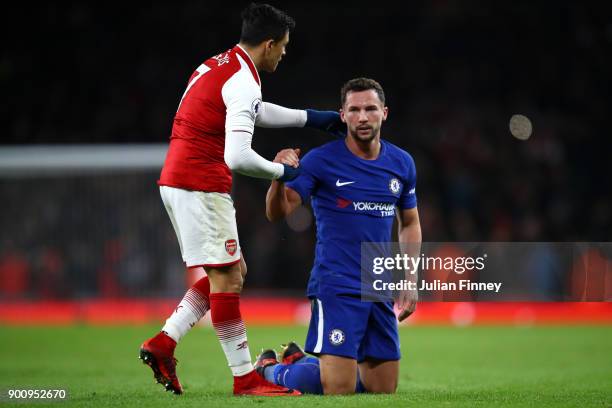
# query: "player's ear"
268 45
385 113
342 116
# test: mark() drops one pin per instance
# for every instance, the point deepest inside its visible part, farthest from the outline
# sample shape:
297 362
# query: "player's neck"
254 53
365 150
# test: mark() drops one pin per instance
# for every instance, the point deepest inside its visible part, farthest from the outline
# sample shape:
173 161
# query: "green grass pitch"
441 366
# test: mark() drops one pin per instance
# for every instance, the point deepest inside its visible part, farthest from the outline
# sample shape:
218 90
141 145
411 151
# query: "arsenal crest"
231 246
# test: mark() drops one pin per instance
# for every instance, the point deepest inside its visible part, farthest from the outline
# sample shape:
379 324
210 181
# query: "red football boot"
291 353
158 353
265 359
253 384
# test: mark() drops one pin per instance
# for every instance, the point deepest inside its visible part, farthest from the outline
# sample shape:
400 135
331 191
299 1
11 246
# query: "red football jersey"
223 94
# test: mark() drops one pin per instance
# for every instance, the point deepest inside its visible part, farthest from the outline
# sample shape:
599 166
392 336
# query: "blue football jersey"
354 200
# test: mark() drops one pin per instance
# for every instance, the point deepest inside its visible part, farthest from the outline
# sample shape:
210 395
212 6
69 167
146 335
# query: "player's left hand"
407 302
327 121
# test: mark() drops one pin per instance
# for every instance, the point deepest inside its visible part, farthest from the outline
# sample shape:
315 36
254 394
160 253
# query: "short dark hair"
361 84
262 22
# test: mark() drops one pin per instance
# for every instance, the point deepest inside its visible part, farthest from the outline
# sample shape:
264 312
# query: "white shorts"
205 225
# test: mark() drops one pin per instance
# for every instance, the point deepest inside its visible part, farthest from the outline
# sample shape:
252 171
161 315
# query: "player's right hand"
407 303
290 157
290 160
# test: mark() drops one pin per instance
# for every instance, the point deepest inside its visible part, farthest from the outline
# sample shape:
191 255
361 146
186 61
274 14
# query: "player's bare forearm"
409 230
410 236
277 205
410 233
280 200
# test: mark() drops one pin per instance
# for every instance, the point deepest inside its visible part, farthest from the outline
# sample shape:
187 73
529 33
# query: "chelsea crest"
395 185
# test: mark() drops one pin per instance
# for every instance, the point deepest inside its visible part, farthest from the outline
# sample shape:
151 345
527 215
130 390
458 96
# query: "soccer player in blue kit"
357 187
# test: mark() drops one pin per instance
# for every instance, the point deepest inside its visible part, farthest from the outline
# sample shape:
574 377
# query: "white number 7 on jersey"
202 69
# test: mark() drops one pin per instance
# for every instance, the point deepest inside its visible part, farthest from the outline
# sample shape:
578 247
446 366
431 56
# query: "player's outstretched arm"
281 200
275 116
241 158
242 100
409 231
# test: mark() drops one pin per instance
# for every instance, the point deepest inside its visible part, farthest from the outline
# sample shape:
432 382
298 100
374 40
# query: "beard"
364 138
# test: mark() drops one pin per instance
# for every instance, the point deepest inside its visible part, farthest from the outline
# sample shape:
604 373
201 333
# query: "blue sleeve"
408 199
306 183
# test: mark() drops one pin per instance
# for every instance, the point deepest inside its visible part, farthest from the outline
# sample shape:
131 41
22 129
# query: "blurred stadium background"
88 95
84 233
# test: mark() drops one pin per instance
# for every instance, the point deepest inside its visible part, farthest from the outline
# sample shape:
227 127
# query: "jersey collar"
383 151
245 55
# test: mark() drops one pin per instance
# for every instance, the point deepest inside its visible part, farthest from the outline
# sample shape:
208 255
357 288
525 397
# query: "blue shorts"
343 325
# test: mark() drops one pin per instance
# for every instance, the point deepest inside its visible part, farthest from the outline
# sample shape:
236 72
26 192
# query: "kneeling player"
356 186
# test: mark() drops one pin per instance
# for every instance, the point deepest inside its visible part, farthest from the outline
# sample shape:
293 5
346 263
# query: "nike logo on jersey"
343 183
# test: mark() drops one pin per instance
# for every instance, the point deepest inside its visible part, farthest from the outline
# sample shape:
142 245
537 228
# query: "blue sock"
303 375
269 373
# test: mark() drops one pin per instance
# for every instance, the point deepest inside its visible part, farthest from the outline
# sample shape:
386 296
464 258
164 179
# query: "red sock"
227 321
200 300
203 285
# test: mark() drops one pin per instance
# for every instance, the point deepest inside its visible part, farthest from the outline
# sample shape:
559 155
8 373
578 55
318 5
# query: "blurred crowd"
454 74
108 235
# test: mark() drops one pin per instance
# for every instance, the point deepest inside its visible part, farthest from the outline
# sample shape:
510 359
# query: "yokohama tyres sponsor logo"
231 246
372 206
385 209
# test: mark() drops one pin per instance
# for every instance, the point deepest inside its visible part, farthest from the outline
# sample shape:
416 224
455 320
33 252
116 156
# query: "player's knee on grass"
338 375
337 386
379 387
379 377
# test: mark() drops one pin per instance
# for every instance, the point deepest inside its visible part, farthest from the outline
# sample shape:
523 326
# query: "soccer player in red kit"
211 136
